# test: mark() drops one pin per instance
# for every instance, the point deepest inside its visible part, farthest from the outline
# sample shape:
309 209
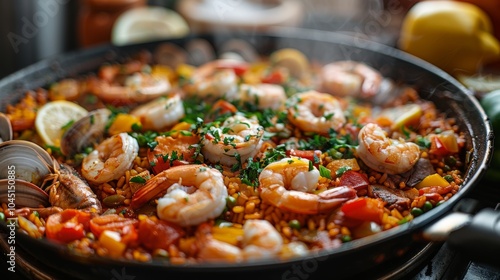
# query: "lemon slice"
147 24
480 83
53 116
293 59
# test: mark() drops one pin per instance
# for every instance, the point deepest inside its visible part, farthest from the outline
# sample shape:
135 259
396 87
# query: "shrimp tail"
335 197
154 187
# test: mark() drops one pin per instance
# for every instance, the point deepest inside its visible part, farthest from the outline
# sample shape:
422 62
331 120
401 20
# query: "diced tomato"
437 147
158 234
312 155
112 222
354 180
364 209
239 67
181 145
129 234
274 77
68 225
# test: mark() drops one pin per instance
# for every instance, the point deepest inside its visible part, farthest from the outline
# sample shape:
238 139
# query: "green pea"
2 216
416 212
88 150
448 178
230 201
295 224
427 206
346 238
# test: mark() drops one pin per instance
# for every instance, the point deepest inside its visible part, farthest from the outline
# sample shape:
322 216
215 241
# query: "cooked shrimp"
260 240
384 154
173 150
194 194
212 82
110 159
237 137
314 111
289 184
138 87
350 78
263 96
160 113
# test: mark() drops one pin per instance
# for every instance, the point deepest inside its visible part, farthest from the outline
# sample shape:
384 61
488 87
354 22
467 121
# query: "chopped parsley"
342 170
325 172
138 179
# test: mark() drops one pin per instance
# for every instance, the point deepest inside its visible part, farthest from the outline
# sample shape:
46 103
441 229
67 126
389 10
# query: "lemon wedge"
52 118
148 23
402 115
292 59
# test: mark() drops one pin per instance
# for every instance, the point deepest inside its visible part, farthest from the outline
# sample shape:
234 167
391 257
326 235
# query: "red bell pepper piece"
68 225
364 209
112 222
354 180
239 67
158 235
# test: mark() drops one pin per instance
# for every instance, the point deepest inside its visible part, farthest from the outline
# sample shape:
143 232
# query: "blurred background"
34 30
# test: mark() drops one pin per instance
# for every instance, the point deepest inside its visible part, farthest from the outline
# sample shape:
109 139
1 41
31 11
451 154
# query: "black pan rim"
481 164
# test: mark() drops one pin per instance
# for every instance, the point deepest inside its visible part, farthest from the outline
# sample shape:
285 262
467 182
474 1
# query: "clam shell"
5 128
19 193
25 160
85 132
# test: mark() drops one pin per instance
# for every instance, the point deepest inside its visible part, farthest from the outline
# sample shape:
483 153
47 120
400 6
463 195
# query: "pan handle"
476 235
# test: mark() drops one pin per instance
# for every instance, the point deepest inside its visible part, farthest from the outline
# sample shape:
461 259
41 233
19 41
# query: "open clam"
85 132
25 160
19 193
5 128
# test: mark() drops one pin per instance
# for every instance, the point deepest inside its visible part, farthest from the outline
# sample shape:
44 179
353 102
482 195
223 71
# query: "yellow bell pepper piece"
229 235
335 165
123 123
432 180
111 240
455 36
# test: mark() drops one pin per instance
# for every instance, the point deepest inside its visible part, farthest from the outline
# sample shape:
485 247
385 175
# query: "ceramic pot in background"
33 30
97 18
